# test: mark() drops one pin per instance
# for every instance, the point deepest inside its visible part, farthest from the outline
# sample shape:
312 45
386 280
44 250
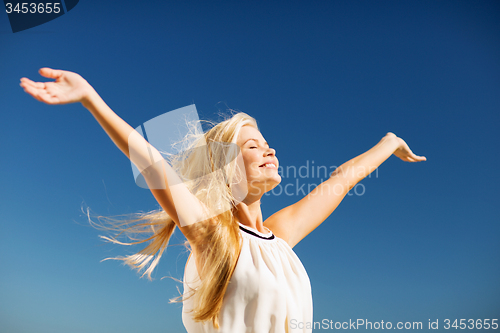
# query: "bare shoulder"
280 223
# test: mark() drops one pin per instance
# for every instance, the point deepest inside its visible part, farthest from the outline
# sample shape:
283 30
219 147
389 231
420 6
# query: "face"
261 164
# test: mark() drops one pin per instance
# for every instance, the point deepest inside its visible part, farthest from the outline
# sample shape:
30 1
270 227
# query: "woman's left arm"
295 222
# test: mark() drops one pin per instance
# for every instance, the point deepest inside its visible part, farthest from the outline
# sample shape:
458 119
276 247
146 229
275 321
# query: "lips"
269 165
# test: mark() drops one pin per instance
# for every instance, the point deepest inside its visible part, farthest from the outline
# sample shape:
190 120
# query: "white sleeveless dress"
268 292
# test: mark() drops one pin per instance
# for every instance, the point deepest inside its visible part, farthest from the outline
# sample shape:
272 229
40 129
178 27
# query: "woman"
242 275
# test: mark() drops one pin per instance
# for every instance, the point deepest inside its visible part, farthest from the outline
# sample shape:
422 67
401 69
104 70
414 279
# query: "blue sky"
326 80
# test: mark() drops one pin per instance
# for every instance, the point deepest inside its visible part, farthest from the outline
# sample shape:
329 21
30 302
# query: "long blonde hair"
204 169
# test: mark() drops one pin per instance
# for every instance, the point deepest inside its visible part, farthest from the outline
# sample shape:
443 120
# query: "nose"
270 151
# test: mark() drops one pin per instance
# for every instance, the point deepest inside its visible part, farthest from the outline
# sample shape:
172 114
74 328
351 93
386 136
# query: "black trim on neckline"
256 235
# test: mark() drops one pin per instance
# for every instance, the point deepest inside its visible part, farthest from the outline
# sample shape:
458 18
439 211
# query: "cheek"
251 167
251 162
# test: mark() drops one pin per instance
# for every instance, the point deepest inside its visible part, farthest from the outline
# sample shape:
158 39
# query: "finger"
418 158
29 89
33 92
38 94
51 73
47 98
39 85
28 82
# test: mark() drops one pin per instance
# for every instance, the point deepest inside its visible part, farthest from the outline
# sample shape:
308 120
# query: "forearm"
126 138
166 186
354 170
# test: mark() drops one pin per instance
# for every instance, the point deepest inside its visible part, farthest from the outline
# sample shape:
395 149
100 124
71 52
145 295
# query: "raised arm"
295 222
184 208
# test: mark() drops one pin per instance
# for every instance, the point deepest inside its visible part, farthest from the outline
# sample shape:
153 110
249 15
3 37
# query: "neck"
249 213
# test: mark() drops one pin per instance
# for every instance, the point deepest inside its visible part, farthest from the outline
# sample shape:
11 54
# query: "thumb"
50 73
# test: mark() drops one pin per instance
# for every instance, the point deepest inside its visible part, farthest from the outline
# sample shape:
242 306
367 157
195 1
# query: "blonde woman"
242 274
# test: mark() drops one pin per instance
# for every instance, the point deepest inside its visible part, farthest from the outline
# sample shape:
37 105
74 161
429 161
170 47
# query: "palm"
69 87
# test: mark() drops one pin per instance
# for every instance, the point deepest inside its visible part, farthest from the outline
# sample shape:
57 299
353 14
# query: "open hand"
404 152
69 87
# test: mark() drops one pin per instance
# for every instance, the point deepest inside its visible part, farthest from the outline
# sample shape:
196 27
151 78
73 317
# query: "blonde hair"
205 170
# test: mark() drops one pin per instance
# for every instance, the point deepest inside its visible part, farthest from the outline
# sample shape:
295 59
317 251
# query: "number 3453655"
32 8
471 324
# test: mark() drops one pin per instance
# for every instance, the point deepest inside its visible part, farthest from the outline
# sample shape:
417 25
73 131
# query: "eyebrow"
256 141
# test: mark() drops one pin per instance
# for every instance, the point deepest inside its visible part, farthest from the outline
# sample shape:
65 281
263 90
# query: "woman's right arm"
179 203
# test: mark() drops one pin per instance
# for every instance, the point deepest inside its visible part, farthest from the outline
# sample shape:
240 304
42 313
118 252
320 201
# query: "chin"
264 186
273 183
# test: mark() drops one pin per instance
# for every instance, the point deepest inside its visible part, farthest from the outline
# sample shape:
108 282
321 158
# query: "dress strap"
256 233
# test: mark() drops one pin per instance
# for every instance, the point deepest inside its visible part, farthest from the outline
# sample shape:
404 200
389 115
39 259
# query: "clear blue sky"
326 80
